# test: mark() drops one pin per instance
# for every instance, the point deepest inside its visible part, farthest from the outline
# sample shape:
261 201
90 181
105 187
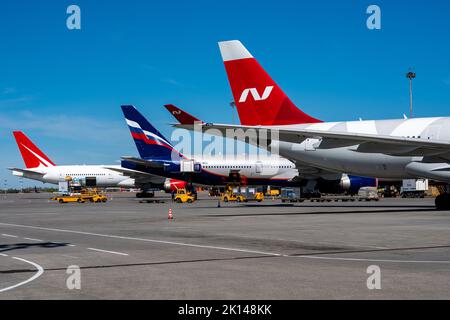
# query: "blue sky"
64 88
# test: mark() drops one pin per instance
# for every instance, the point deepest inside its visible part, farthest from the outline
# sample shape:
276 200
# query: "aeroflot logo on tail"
255 94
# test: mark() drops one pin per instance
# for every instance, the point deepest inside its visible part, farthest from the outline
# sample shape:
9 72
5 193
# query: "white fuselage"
104 177
375 160
261 167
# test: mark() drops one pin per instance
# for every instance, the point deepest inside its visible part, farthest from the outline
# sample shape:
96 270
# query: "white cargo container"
414 188
63 186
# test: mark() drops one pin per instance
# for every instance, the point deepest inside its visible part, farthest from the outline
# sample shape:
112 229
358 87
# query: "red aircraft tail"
32 155
259 100
182 116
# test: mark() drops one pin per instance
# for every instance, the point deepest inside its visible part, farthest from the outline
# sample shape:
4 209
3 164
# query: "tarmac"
391 249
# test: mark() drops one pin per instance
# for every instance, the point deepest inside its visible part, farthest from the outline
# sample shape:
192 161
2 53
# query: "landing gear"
312 194
214 192
145 194
442 201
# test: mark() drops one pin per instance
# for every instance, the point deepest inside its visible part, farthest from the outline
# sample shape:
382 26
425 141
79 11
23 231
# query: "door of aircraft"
258 167
91 182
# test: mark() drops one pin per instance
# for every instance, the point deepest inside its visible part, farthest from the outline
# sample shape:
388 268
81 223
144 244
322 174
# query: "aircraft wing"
364 143
141 178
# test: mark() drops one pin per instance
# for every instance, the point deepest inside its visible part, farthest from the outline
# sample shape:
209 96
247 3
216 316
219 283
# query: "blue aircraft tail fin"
150 143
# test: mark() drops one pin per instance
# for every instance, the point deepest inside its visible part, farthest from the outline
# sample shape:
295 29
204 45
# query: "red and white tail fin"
259 100
32 156
182 116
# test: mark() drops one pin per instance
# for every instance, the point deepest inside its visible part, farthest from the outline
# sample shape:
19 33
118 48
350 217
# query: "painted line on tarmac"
107 251
372 260
33 239
229 249
39 272
234 249
145 240
9 235
3 255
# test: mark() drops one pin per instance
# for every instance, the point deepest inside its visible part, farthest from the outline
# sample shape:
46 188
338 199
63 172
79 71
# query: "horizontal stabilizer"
146 163
24 172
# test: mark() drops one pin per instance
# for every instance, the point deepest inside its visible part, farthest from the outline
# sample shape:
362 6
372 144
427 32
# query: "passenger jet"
39 167
391 149
159 157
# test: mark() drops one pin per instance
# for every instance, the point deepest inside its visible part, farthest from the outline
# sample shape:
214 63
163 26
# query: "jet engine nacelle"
349 184
128 183
355 183
171 185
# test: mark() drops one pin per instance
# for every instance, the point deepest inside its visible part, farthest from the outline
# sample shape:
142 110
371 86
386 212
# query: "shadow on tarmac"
320 212
20 246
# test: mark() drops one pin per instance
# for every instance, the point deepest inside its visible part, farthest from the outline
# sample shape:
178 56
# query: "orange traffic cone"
170 217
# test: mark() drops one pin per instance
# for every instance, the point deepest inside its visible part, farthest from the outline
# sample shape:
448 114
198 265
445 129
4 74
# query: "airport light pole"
410 75
5 182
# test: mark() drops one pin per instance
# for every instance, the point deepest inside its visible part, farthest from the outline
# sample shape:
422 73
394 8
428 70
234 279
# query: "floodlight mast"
410 75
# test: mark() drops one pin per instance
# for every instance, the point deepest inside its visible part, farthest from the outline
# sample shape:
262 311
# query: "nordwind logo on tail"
255 94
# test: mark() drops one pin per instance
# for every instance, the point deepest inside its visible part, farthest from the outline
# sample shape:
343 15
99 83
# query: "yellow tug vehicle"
81 197
230 196
72 190
93 196
183 196
238 194
68 199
